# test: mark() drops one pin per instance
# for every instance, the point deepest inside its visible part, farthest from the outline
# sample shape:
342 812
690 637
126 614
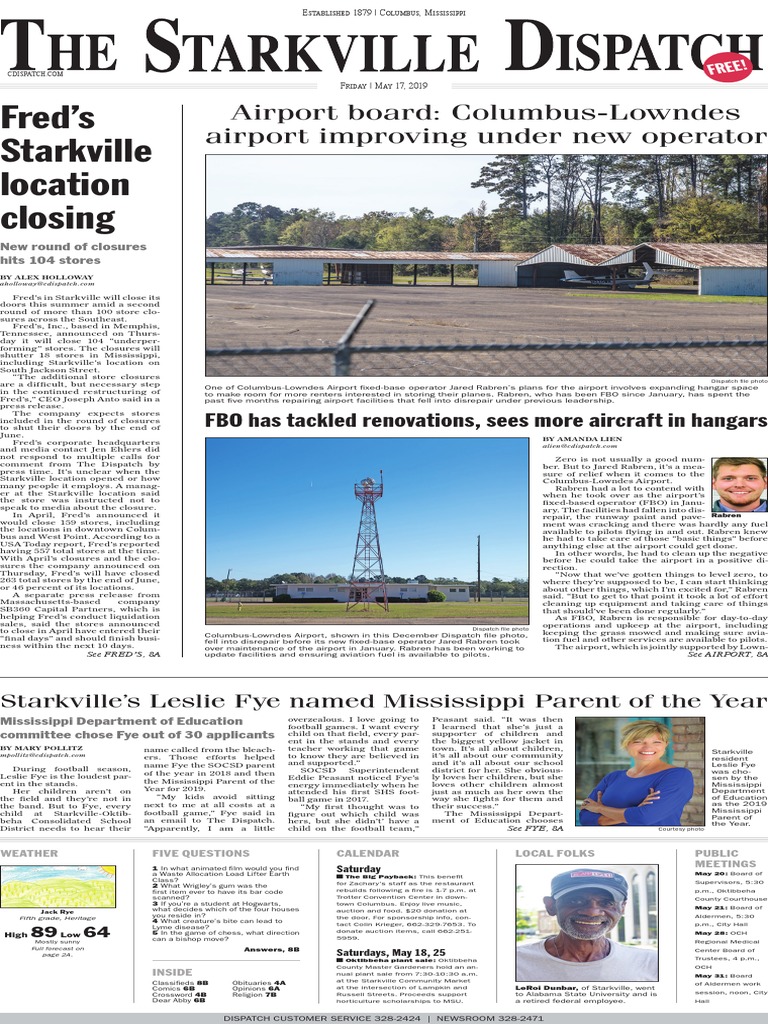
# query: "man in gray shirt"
588 903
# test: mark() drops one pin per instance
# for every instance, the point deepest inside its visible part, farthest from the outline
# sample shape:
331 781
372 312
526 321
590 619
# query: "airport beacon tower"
366 581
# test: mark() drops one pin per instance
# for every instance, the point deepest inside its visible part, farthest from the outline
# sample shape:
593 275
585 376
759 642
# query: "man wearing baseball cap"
588 903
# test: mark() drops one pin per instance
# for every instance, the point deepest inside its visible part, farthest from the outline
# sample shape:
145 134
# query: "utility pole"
478 568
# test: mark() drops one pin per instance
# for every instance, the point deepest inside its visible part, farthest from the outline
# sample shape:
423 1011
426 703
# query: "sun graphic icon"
109 868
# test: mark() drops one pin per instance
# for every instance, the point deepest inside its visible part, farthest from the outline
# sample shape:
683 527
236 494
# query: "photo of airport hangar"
722 268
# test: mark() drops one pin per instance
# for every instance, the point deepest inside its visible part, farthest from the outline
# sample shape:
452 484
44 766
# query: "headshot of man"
588 903
651 792
740 485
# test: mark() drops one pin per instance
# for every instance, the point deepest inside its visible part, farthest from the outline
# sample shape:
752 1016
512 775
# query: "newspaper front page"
474 301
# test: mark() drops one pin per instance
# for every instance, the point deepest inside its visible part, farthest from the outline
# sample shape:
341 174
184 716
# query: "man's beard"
580 931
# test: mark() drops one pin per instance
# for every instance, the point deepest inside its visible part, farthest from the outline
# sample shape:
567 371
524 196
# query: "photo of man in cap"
588 903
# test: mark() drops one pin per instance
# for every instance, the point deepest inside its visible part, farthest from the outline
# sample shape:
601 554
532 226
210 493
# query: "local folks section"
337 926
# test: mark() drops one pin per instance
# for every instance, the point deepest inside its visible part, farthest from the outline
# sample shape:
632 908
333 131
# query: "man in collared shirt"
588 903
740 485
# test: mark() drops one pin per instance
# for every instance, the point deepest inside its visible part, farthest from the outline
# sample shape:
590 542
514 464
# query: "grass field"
435 281
486 611
660 293
424 281
673 295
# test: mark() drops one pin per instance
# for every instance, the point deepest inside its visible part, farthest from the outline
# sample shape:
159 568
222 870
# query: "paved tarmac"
316 317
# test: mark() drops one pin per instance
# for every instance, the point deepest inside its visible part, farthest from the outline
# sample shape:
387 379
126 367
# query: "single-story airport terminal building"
722 268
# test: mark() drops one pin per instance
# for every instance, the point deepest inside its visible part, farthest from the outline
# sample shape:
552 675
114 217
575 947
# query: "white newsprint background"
208 809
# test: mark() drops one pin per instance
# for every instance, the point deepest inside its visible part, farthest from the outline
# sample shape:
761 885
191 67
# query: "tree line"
542 199
246 587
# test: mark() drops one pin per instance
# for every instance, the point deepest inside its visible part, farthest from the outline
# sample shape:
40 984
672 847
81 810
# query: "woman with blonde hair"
651 792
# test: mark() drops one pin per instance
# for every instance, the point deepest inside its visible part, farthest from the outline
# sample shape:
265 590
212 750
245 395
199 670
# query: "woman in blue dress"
651 792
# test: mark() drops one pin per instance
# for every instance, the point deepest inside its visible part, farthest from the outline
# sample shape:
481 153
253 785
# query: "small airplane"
249 269
606 281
